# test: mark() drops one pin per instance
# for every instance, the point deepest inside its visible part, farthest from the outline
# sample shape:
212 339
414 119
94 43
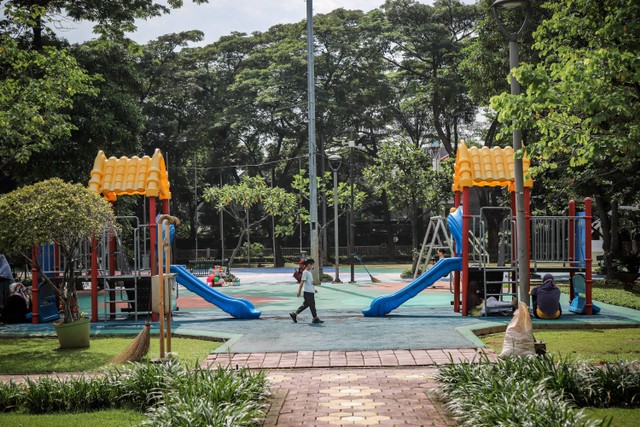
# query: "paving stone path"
338 388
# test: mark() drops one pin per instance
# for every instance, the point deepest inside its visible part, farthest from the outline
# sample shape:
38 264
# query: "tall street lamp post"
521 231
351 223
313 185
334 163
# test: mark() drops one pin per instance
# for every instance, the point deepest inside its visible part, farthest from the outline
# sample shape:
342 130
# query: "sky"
221 17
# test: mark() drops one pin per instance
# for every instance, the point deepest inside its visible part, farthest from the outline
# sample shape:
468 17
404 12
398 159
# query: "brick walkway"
350 359
338 388
337 397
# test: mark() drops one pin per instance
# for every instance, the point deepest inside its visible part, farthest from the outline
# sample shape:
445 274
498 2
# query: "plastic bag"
518 339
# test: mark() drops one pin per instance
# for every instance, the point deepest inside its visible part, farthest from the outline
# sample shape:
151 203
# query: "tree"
251 202
411 185
37 90
485 60
582 99
58 212
424 44
111 17
300 184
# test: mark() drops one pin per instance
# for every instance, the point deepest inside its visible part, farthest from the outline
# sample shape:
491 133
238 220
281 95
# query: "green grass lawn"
110 418
589 345
41 355
611 292
622 417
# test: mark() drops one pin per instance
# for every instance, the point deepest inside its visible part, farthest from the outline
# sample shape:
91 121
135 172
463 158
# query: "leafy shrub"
212 398
536 391
172 394
254 250
408 273
9 395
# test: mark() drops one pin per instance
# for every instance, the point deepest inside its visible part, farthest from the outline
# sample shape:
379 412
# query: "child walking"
306 284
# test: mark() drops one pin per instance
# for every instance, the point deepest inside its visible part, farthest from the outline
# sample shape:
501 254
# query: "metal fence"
293 253
550 238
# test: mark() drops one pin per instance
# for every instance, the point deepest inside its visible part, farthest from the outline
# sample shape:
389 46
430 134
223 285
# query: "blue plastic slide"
386 303
237 307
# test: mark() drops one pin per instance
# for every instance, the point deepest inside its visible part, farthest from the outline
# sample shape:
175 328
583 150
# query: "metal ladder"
505 265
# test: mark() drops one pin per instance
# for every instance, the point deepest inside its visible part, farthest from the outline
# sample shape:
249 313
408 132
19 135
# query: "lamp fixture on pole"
521 230
334 163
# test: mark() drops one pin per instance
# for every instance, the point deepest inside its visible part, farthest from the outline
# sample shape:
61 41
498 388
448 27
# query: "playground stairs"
498 282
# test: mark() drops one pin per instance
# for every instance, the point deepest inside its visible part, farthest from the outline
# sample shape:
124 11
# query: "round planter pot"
75 334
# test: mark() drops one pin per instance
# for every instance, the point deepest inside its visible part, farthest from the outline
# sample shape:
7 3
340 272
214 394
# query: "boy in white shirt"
306 284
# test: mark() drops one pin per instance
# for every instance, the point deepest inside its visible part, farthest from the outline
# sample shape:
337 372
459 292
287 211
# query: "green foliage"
250 195
535 391
220 397
582 97
405 175
300 184
37 91
254 249
54 211
170 392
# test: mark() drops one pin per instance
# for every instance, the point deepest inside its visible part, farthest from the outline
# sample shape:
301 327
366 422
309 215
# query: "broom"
373 279
138 348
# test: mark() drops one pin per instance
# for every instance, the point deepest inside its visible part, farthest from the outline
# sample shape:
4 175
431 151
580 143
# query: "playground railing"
551 239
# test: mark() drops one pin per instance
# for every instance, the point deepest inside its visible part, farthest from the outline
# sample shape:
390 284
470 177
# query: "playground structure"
554 243
123 264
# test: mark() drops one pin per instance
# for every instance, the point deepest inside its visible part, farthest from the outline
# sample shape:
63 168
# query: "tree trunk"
278 258
610 226
391 245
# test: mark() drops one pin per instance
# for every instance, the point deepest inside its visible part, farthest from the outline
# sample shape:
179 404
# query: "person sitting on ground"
546 299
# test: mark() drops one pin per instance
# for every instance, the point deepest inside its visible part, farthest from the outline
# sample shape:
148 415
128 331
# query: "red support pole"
94 279
152 236
465 249
112 273
572 242
456 274
572 232
35 307
514 240
165 206
588 260
527 215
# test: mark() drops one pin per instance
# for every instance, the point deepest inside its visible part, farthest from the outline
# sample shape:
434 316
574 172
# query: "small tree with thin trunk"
58 212
252 195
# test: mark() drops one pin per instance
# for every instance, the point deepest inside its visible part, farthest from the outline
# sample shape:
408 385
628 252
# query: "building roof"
486 167
113 177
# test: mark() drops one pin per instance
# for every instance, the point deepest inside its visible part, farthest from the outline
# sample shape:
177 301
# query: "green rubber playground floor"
424 322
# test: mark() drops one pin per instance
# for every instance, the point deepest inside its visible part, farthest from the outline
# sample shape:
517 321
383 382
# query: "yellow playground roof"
486 167
115 177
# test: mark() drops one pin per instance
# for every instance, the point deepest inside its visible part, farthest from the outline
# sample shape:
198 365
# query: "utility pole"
313 185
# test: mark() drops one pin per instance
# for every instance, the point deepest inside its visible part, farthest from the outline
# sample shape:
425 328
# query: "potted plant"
54 211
